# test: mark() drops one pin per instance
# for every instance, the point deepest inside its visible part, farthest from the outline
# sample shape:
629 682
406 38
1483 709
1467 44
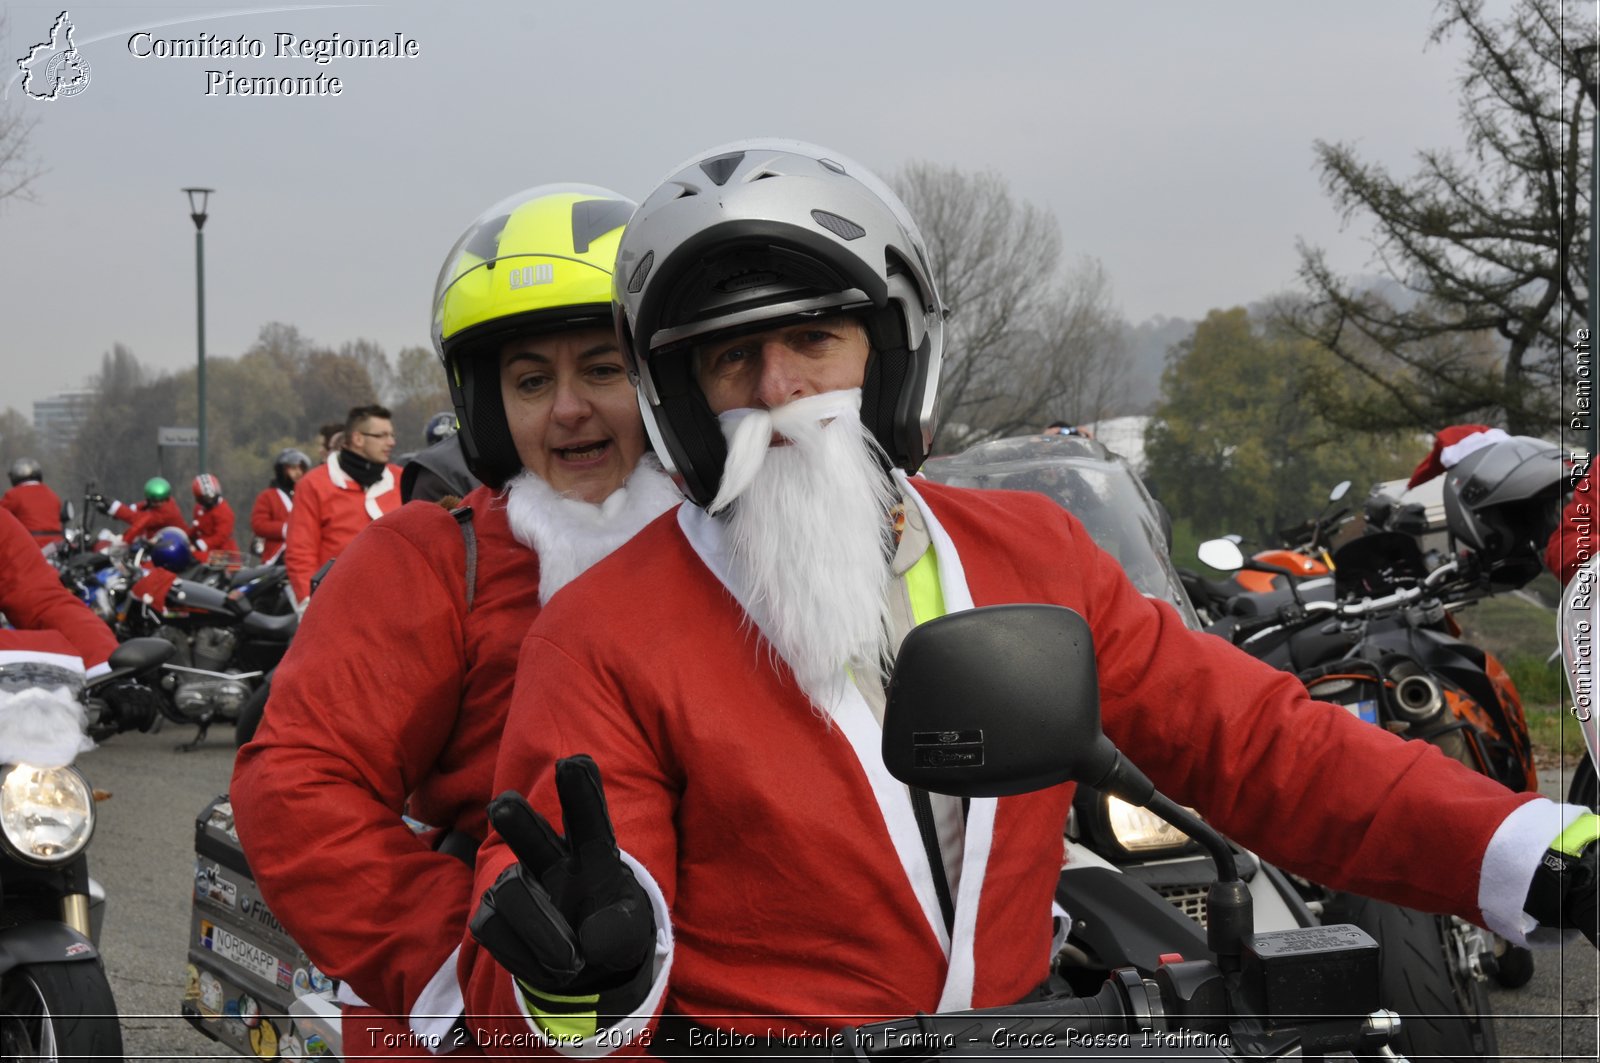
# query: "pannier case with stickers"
244 970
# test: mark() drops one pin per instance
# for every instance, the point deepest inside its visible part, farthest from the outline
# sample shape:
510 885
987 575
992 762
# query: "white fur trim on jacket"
569 534
860 728
1513 855
382 486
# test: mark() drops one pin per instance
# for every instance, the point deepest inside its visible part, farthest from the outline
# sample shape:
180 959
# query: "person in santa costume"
269 516
32 502
213 517
392 697
33 598
340 497
749 865
144 519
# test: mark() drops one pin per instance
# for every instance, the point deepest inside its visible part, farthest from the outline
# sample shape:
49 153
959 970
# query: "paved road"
143 854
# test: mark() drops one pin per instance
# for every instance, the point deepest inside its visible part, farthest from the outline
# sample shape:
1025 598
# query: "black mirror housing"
996 701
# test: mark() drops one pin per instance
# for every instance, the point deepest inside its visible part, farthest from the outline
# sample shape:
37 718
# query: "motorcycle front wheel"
1444 1011
61 1012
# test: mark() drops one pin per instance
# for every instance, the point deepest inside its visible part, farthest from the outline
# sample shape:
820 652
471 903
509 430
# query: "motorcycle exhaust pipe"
1418 698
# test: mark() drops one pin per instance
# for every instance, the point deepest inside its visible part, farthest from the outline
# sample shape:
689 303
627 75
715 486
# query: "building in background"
58 419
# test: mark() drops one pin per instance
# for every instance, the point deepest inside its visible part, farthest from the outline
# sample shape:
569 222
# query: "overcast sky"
1172 140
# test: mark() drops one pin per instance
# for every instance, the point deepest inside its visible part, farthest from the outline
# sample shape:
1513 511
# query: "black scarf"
364 472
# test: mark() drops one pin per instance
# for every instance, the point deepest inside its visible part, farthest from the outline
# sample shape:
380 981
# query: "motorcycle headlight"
1140 831
46 814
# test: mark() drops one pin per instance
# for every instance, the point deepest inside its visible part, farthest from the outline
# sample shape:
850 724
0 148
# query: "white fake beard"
569 534
809 541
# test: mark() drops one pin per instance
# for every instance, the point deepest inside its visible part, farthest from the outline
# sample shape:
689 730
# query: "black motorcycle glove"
101 503
130 705
1566 887
568 920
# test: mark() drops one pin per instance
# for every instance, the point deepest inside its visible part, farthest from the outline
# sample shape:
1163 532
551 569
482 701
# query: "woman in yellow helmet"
393 696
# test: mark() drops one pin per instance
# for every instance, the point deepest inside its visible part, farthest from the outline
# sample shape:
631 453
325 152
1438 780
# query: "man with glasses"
334 501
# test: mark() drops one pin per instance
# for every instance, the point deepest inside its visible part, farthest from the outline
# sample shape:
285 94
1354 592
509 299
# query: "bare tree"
18 169
1026 342
1494 244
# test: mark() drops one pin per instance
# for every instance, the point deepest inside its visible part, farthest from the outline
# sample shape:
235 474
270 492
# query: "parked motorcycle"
1235 992
55 1000
1135 886
225 646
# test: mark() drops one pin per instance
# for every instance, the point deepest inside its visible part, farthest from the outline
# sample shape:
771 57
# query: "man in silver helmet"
749 867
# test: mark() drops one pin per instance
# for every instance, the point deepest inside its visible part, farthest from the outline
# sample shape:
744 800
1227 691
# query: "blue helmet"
440 426
170 550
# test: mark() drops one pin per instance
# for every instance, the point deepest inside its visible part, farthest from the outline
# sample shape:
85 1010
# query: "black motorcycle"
55 1000
1004 700
225 649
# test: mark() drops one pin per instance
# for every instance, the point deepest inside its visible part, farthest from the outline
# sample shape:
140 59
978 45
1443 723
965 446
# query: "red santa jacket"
391 698
38 508
144 519
1573 542
330 509
269 520
213 527
32 597
791 863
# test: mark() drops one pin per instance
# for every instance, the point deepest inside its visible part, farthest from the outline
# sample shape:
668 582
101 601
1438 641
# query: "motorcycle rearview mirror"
1223 555
66 513
998 701
1004 700
1340 489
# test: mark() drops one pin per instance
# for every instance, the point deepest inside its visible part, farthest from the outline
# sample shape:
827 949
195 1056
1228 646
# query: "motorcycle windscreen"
1094 485
1577 636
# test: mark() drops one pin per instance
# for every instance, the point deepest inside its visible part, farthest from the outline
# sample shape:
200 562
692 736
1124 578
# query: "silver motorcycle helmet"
1504 501
24 469
754 234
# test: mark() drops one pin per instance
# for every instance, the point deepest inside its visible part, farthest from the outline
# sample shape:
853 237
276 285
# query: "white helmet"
764 231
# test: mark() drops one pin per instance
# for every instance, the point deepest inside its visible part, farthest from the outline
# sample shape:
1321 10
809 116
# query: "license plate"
241 953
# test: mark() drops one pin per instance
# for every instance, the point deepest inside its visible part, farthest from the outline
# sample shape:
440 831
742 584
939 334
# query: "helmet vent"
636 280
593 218
830 164
719 168
843 228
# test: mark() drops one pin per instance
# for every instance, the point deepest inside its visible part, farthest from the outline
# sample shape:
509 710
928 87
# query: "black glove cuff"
1563 889
571 1016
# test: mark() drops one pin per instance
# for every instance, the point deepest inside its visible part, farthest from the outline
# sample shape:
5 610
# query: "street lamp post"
198 198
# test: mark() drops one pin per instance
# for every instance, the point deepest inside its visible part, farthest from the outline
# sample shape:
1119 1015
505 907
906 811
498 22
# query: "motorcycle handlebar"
1404 596
1023 1028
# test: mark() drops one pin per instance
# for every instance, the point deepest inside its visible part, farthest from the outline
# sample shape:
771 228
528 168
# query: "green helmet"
157 489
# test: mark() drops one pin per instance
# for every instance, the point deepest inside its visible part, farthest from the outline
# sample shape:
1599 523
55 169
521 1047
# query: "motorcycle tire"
58 1011
1585 786
1445 1013
244 728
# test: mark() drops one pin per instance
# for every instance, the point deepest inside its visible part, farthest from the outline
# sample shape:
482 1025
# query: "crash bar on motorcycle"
213 675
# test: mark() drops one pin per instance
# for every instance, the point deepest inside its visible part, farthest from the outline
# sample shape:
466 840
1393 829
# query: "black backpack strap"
469 536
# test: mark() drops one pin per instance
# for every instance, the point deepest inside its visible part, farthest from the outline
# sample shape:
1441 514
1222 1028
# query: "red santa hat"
1450 445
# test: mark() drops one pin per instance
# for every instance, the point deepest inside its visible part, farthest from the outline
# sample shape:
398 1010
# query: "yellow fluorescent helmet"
540 260
543 251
